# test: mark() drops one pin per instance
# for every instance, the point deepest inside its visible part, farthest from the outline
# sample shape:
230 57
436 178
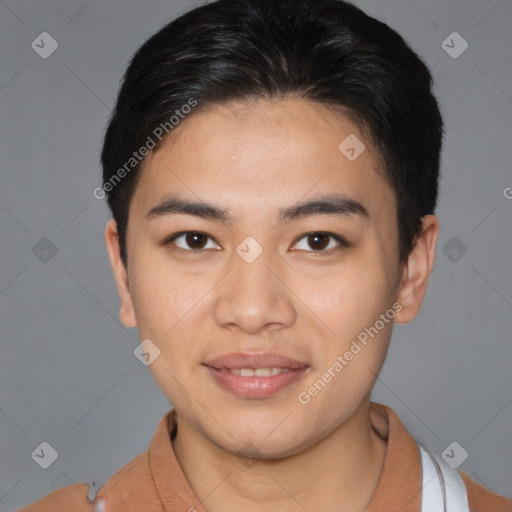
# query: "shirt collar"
398 489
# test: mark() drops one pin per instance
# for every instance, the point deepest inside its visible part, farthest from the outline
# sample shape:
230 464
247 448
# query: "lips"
239 360
256 372
255 375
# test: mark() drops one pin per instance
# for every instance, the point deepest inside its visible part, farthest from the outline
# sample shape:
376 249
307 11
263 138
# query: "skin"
253 159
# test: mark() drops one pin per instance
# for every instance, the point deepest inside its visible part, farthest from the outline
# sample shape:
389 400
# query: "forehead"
241 153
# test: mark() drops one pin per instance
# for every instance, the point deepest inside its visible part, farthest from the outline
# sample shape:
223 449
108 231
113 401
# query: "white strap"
443 487
99 506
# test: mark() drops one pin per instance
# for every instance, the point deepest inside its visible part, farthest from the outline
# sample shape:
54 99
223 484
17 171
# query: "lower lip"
255 387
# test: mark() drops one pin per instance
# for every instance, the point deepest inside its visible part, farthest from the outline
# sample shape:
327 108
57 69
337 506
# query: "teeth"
263 372
257 372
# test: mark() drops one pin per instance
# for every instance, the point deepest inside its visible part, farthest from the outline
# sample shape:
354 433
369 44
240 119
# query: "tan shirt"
154 481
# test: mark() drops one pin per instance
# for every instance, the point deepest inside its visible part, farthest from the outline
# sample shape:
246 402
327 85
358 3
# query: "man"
272 170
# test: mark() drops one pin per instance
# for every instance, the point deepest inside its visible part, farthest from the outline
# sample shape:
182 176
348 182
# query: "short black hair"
324 51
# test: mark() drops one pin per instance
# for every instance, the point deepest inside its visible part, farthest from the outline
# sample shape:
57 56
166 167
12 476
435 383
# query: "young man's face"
304 298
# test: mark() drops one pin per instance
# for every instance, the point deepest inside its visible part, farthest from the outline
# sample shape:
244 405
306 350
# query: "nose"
254 297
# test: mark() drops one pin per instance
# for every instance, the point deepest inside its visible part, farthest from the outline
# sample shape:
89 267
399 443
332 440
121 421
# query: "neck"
340 472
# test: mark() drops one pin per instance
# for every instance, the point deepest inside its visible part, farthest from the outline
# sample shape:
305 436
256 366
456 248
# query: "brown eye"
191 241
196 240
320 242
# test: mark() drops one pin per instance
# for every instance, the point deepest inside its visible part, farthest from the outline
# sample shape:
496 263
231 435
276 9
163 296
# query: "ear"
127 311
417 269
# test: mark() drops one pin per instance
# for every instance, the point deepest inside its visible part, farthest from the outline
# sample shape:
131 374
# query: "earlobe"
127 311
417 270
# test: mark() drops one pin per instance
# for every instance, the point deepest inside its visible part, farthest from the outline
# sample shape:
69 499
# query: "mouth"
255 372
255 375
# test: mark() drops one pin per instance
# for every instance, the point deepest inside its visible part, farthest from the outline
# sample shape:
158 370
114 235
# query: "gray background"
68 375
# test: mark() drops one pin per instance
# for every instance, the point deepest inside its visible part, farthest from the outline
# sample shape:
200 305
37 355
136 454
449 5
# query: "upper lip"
267 360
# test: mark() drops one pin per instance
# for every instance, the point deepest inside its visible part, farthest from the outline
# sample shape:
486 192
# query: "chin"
253 441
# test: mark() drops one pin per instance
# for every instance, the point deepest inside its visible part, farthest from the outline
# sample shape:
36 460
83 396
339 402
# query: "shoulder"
131 488
61 500
481 499
128 481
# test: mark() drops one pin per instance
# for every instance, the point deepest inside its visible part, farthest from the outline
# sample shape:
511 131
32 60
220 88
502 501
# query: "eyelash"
341 241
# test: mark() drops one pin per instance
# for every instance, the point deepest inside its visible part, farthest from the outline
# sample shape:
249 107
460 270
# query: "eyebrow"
330 204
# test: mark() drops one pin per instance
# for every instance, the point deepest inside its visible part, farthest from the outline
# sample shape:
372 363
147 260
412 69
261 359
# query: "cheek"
161 297
171 308
155 302
168 307
351 303
351 298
